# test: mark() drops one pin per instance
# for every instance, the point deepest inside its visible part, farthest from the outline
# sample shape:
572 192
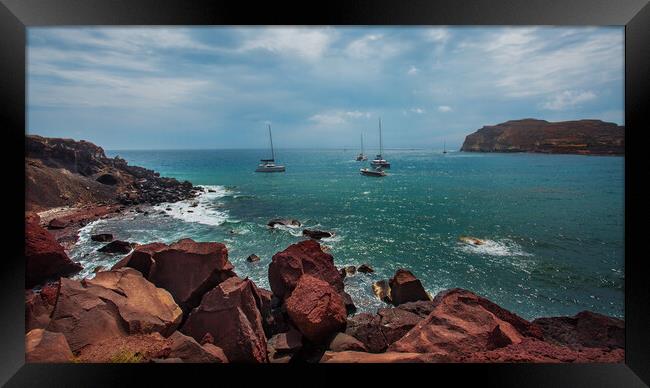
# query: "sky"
319 87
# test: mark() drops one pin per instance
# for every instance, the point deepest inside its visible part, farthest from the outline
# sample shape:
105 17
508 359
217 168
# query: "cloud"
375 46
413 70
337 117
568 99
306 43
444 108
438 35
417 110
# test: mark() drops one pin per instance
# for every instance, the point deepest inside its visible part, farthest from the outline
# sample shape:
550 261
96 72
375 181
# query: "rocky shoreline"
184 302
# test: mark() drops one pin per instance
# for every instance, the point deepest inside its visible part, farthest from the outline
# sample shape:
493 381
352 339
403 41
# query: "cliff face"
65 172
589 137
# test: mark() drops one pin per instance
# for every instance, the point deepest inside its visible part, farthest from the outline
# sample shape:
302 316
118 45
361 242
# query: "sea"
552 225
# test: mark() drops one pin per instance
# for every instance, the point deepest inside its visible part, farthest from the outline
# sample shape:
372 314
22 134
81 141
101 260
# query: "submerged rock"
252 258
316 234
285 222
102 237
117 246
365 268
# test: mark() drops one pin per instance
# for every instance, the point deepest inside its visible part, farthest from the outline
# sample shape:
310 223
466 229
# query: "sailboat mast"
361 143
381 145
271 138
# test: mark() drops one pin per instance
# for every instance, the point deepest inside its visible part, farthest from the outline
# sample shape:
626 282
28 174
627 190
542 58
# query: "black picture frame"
17 15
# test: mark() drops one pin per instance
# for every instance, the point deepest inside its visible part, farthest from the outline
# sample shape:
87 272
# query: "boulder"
252 258
107 179
102 237
188 350
316 309
305 257
405 287
289 342
117 246
230 313
585 329
396 322
47 347
462 323
343 342
44 257
350 308
274 318
113 304
38 307
365 268
186 268
366 328
316 234
285 222
353 357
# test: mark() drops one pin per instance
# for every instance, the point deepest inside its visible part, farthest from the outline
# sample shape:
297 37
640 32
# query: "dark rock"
381 289
585 329
102 237
405 287
289 342
117 246
285 222
252 258
350 308
316 234
108 179
57 223
343 342
188 350
365 268
367 329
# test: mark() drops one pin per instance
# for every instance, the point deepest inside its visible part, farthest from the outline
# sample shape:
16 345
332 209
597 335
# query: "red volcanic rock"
585 329
45 346
316 309
534 350
44 257
382 358
462 323
188 350
305 257
186 268
289 342
113 304
39 306
343 342
565 137
273 317
141 258
396 322
405 287
230 313
366 328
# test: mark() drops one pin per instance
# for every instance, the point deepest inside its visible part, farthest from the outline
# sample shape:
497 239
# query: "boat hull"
380 164
372 173
270 169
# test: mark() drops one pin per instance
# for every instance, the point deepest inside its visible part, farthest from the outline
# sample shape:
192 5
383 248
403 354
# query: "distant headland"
587 137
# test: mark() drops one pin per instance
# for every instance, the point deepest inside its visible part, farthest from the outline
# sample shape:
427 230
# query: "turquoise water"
553 224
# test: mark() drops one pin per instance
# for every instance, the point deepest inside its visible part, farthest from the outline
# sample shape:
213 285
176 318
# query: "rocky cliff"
65 172
589 137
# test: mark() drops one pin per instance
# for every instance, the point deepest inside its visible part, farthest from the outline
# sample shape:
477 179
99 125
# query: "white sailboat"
361 157
268 165
444 147
379 161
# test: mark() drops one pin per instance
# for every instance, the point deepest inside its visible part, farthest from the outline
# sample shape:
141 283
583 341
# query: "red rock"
305 257
396 322
230 313
188 350
44 257
141 258
316 309
388 357
289 342
145 346
117 246
463 323
366 328
45 346
537 351
38 308
405 287
343 342
585 329
113 304
57 223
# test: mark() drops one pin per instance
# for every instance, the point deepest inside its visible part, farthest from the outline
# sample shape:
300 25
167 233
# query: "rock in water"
316 234
381 289
231 315
405 287
252 258
102 237
47 347
316 309
285 222
305 257
117 246
365 268
44 257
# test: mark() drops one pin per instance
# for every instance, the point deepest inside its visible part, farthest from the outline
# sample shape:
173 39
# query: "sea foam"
205 212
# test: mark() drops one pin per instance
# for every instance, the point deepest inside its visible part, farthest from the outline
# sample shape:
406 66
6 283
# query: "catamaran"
361 157
268 165
379 161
